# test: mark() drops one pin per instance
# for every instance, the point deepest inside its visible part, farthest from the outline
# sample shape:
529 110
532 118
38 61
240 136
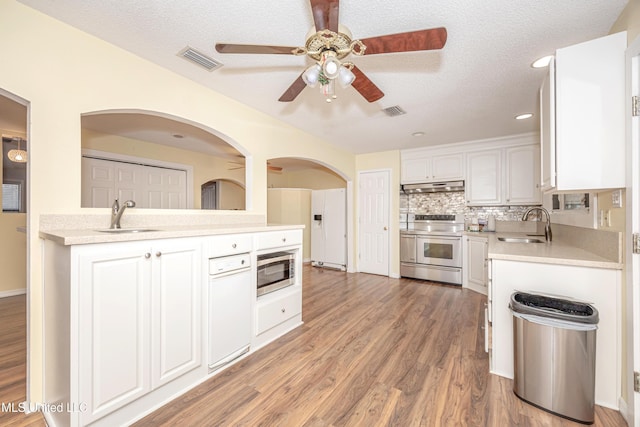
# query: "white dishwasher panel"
229 315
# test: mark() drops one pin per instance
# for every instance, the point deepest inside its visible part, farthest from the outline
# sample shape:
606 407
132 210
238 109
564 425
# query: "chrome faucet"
116 212
547 227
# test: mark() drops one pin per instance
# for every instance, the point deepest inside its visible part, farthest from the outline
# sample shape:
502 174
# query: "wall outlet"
616 199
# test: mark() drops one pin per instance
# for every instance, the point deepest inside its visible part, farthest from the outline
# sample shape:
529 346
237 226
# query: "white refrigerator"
329 228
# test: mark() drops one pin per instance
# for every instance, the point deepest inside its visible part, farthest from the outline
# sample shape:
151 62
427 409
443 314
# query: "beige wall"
231 195
292 206
64 73
205 167
13 253
629 20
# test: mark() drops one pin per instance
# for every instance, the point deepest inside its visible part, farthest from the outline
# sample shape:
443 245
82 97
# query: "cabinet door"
523 172
590 114
484 178
114 327
176 320
447 167
477 263
416 170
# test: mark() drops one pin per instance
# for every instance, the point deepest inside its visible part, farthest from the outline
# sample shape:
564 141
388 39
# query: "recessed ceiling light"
542 62
524 116
416 134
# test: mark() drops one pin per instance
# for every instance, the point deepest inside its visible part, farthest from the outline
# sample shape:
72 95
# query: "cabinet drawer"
275 239
228 245
278 309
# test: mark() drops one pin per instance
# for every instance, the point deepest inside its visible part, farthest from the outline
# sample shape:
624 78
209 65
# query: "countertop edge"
610 265
560 254
89 236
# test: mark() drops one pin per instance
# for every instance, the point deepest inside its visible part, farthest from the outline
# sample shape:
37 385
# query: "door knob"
385 229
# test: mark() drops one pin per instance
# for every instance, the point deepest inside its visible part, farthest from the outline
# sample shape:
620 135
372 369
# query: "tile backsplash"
454 203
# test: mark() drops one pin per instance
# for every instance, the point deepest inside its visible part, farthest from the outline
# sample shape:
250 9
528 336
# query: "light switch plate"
616 199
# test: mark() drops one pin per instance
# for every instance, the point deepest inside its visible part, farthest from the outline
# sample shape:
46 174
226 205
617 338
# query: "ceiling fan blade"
431 39
254 48
274 168
294 90
366 87
325 14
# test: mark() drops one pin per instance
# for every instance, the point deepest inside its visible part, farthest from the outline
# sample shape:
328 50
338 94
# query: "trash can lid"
555 308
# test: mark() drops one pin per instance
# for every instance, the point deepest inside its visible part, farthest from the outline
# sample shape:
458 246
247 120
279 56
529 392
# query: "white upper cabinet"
419 168
484 178
504 176
583 115
522 183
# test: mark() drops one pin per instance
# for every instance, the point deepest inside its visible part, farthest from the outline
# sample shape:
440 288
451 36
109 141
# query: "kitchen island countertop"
91 236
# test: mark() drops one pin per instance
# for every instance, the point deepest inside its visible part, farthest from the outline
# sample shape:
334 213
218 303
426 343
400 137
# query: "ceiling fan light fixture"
312 75
330 65
345 76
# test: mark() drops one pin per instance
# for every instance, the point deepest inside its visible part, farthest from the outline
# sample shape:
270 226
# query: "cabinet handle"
284 239
147 255
283 310
234 246
158 254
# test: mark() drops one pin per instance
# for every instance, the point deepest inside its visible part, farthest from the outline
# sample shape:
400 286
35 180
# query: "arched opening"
157 160
305 191
222 194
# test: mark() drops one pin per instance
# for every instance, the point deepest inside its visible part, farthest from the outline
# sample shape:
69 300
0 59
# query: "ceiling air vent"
199 58
394 111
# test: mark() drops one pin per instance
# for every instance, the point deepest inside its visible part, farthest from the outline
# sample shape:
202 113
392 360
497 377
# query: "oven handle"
438 236
266 261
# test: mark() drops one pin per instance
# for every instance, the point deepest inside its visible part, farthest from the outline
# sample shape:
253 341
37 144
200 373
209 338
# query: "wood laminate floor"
373 351
13 363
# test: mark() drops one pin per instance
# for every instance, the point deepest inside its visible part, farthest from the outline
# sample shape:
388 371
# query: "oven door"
439 250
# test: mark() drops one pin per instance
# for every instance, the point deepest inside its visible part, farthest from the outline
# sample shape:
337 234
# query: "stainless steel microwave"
276 270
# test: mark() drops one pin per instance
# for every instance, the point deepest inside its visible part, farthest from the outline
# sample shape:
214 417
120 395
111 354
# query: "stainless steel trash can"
554 348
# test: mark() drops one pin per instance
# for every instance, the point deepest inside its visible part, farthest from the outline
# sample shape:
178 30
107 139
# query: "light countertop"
90 236
555 252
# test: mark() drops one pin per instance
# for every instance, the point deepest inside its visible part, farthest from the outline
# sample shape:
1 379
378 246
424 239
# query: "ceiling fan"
329 42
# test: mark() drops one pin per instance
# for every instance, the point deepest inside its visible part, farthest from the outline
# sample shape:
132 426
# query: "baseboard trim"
13 292
624 410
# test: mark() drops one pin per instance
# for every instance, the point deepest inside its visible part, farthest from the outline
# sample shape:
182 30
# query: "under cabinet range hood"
433 187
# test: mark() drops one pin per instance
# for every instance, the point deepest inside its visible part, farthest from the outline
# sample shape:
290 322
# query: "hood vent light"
394 111
199 58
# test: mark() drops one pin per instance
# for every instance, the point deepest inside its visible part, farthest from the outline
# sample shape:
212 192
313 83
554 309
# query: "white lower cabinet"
274 309
597 286
133 319
475 263
130 320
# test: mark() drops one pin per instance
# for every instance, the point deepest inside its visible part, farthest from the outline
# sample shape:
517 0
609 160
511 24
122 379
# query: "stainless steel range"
431 248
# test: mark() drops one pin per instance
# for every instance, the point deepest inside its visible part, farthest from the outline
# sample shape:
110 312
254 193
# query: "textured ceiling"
471 89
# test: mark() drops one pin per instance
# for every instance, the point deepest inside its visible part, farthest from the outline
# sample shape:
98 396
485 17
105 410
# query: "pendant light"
18 156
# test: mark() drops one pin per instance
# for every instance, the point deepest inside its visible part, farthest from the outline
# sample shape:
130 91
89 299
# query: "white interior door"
374 189
633 226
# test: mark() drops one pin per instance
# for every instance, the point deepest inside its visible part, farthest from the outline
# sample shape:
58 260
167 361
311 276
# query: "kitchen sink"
126 230
519 240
